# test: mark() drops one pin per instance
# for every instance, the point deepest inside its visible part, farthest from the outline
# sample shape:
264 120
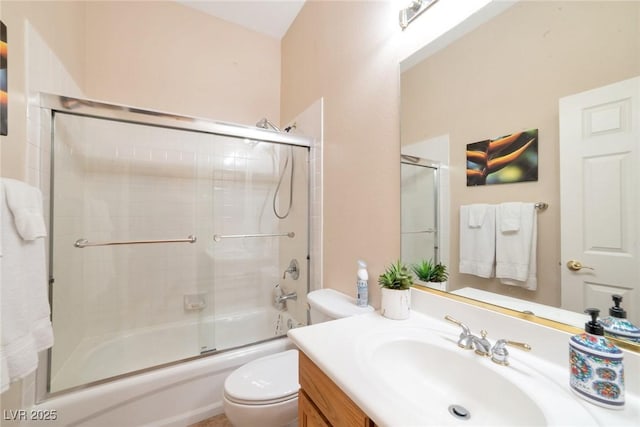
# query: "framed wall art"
4 91
507 159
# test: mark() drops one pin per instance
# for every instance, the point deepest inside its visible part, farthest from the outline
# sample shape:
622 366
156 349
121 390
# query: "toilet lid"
269 379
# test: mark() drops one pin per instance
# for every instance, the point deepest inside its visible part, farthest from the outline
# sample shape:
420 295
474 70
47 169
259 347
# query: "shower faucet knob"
293 270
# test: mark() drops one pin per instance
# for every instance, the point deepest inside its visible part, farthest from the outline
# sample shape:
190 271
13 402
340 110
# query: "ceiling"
270 17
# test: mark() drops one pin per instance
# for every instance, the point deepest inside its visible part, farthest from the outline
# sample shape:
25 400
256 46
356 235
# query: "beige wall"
345 52
507 76
156 55
61 25
165 56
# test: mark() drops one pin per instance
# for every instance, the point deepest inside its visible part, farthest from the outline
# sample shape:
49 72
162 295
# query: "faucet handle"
464 327
293 269
500 354
464 341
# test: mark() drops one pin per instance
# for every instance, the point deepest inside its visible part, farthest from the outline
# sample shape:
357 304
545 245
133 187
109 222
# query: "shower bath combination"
113 297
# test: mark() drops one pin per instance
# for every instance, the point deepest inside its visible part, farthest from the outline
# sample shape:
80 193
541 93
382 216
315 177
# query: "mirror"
505 76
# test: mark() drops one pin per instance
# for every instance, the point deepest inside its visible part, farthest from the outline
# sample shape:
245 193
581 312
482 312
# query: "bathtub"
176 395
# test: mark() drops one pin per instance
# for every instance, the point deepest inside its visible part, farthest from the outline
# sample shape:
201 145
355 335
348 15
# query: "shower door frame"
49 105
429 164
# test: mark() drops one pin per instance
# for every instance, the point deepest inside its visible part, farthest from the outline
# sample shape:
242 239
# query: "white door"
600 198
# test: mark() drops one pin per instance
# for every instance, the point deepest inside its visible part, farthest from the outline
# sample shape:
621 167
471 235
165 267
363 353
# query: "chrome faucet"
482 346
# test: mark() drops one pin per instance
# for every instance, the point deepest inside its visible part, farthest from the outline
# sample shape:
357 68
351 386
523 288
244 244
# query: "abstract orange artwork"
4 99
507 159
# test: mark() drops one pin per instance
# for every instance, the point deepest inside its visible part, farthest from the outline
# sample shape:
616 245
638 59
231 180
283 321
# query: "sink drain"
459 412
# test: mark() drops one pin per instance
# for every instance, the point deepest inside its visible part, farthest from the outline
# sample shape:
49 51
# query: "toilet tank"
328 304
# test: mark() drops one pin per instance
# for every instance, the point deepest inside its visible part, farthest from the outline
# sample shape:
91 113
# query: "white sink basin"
441 382
417 369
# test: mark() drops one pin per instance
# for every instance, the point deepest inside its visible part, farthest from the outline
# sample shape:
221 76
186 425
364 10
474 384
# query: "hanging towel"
516 249
25 202
510 216
25 326
477 241
477 214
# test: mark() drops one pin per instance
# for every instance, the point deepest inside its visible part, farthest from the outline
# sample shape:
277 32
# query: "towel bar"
83 243
218 237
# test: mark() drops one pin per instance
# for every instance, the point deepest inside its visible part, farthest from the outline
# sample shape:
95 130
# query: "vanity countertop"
341 349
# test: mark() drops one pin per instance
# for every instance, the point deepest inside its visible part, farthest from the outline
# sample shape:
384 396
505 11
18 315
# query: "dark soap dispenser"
597 373
617 325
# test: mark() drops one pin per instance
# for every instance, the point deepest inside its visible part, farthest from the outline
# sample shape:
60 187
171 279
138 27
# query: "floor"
217 421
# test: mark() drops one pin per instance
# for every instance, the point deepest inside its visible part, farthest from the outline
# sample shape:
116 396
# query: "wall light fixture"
414 10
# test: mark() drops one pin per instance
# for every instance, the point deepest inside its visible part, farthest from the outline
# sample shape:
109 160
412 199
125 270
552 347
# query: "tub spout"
285 297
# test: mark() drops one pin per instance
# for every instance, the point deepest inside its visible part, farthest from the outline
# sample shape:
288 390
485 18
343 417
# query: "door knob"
574 265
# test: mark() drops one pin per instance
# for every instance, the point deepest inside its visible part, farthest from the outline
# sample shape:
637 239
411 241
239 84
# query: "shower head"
266 124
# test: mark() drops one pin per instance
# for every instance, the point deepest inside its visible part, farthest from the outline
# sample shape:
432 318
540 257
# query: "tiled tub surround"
333 348
118 181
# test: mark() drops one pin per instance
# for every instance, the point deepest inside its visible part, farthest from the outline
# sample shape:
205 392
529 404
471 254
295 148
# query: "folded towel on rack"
516 250
477 242
477 214
25 326
25 203
510 216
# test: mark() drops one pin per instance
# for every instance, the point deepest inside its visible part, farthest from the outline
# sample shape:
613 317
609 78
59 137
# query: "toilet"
264 392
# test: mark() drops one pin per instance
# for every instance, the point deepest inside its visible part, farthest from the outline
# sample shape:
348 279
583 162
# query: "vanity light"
413 11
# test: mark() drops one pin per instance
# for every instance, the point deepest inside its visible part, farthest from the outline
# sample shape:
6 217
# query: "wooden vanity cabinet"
321 403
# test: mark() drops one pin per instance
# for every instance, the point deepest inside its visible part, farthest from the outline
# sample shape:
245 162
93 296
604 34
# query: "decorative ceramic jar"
596 366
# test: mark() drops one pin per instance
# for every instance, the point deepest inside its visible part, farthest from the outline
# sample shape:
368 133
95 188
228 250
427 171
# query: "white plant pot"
441 286
395 304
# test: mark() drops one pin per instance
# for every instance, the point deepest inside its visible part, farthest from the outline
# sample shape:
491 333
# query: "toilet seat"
264 381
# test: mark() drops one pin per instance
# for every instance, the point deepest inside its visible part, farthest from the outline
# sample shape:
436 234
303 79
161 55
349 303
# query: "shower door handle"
84 243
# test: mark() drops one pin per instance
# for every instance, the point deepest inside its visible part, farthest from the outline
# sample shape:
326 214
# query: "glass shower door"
260 223
419 202
127 249
167 244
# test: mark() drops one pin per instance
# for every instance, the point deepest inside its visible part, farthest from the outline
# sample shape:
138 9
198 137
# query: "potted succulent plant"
396 282
431 274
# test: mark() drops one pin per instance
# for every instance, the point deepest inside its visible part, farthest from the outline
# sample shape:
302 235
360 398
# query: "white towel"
477 214
25 326
477 243
510 216
516 250
25 202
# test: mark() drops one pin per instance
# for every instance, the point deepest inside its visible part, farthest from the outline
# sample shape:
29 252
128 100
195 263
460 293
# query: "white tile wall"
310 124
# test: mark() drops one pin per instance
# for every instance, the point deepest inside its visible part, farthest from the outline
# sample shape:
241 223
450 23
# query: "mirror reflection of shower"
267 124
419 210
